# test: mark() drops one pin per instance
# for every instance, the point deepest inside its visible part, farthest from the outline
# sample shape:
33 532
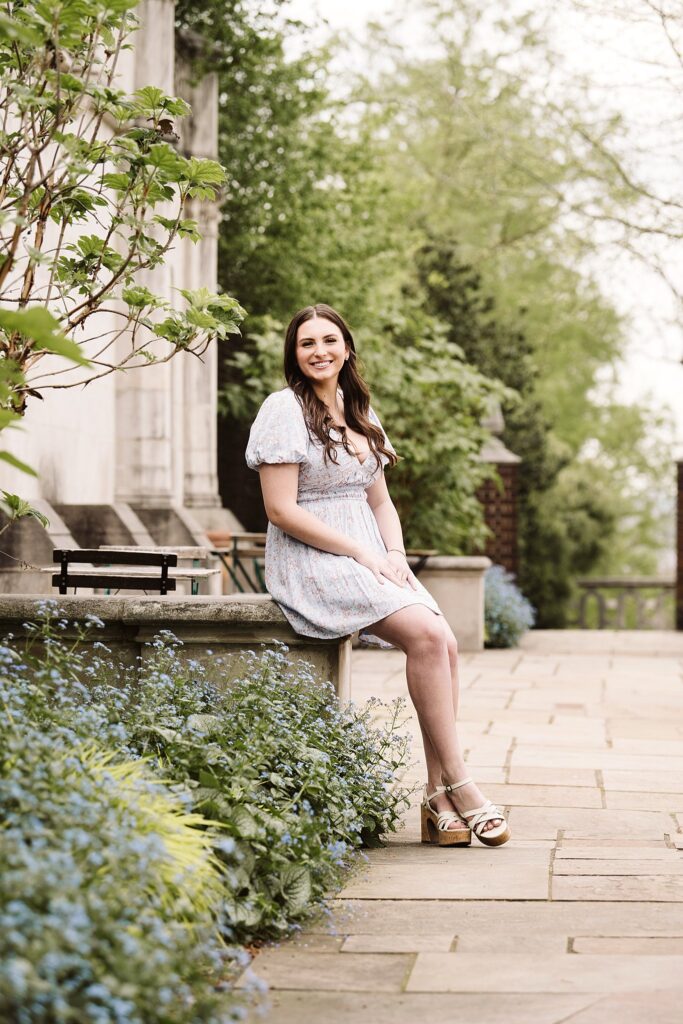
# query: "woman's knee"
431 636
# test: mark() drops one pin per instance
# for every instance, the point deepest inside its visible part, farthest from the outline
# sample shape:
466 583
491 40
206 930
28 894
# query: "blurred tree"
509 190
306 203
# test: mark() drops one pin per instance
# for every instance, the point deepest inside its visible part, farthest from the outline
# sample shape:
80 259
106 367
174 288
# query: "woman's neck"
329 395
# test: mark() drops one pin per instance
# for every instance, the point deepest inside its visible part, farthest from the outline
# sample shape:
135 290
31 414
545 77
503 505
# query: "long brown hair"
355 390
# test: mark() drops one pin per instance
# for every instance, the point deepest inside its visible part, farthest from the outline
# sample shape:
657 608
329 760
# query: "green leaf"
200 319
188 229
119 182
295 884
19 508
14 31
149 99
138 296
7 416
17 463
41 327
205 172
244 821
165 159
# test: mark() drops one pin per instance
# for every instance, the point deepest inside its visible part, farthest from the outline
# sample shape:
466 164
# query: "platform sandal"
479 816
435 823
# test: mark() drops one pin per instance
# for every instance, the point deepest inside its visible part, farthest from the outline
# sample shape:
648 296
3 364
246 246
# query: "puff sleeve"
374 418
279 432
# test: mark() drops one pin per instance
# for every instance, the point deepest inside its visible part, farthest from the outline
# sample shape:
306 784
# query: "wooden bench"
91 576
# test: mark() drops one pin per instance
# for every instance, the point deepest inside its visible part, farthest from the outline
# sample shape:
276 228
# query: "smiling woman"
335 560
330 515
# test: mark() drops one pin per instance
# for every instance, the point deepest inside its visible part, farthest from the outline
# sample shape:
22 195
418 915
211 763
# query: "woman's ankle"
455 773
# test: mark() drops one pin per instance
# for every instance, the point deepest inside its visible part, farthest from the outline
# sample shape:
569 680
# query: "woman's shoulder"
282 399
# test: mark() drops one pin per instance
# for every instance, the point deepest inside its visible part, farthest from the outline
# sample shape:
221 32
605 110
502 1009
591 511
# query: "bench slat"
113 581
98 557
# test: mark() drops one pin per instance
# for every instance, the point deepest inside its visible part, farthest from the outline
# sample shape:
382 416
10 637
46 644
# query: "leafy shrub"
298 780
293 784
507 613
108 889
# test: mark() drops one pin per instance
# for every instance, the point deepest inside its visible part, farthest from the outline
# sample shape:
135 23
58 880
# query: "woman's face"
320 349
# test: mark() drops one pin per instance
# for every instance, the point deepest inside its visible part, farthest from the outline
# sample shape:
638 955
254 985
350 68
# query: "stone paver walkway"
579 918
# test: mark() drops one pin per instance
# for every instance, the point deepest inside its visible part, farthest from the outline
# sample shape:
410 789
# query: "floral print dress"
320 593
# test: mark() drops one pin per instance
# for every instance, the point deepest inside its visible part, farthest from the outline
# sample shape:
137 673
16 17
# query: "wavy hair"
355 391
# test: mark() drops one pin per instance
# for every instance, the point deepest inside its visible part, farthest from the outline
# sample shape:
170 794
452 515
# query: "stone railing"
635 602
207 626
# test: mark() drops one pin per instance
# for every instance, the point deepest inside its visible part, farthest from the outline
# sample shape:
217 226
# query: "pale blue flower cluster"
507 613
293 783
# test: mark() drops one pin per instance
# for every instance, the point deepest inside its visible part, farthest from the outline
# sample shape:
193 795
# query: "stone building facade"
132 457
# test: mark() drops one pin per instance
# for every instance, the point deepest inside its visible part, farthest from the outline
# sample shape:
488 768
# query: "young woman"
335 561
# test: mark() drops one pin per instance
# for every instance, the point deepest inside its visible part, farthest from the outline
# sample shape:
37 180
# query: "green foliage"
289 782
459 189
109 887
15 507
131 187
433 404
297 781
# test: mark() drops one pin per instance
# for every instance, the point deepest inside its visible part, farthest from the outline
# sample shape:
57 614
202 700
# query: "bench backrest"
94 556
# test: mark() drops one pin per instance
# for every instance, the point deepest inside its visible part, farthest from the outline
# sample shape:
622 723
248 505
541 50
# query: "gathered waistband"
335 496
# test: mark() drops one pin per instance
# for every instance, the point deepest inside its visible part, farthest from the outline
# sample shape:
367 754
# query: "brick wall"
500 515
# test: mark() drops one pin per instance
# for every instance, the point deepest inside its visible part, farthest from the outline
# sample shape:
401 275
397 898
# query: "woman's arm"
279 484
385 513
389 525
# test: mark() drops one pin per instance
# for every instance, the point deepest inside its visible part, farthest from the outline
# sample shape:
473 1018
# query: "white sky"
624 65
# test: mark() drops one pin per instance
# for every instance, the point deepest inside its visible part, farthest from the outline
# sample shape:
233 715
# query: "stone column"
679 549
147 432
199 137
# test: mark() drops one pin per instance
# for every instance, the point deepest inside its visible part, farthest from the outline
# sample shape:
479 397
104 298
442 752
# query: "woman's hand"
393 567
400 563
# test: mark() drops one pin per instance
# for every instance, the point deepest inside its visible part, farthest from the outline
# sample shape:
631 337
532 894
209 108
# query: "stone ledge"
252 608
457 563
233 622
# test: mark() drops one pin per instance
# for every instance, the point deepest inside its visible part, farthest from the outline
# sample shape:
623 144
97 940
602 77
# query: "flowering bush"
298 780
507 613
152 819
109 887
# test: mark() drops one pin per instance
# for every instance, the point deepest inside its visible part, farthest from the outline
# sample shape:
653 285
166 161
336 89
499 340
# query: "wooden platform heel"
435 824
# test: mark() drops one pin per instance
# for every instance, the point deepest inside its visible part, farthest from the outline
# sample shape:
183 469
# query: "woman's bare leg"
432 675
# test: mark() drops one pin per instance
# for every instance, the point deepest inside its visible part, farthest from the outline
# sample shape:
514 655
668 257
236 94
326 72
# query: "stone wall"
207 626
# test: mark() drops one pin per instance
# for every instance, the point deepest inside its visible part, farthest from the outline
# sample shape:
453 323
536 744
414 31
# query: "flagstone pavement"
579 918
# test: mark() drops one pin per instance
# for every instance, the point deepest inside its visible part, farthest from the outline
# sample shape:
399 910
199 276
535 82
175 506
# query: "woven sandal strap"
439 789
445 818
456 785
480 815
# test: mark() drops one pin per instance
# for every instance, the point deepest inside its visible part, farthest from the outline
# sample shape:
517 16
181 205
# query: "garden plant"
507 613
156 822
93 194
